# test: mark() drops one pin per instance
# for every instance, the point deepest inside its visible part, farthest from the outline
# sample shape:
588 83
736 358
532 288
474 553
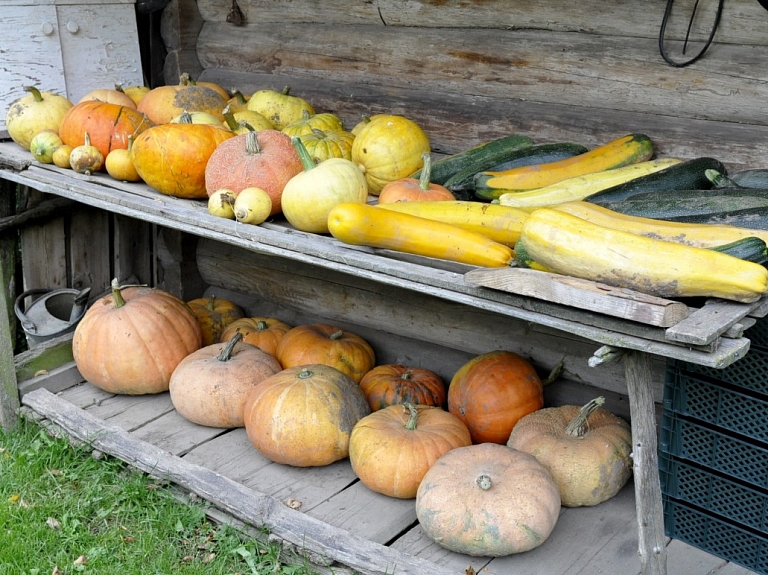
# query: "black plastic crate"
750 372
715 493
758 333
714 449
714 402
715 535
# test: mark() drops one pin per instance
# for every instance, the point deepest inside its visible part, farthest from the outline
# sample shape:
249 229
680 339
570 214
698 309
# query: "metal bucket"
54 313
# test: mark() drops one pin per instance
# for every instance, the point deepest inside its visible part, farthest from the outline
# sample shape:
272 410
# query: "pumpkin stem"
130 142
238 96
336 334
211 303
261 325
306 158
252 144
230 118
226 353
578 425
407 375
117 297
412 417
286 91
185 118
87 139
555 373
35 93
484 482
426 172
184 79
305 373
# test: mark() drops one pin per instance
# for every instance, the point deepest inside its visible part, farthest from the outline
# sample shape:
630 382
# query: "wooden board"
582 294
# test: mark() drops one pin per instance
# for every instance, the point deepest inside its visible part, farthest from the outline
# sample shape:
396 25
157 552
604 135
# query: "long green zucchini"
707 203
478 158
749 218
757 178
463 181
688 175
751 249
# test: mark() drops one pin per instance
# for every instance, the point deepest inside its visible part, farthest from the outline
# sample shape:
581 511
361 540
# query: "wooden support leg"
9 391
650 516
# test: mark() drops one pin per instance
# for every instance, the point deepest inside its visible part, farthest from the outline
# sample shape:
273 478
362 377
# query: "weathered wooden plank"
456 121
9 394
650 519
583 294
742 21
241 502
711 320
129 412
513 65
91 260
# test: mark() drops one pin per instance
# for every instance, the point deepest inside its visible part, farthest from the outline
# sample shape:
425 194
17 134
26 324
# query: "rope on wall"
664 21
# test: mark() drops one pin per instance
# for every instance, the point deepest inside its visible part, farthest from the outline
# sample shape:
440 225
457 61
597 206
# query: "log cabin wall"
469 71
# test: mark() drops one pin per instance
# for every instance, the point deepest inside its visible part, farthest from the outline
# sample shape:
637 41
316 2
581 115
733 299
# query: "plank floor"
586 541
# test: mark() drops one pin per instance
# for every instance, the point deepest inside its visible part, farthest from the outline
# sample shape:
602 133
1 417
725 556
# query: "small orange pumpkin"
210 385
328 345
492 391
416 190
162 103
263 332
303 416
214 315
390 450
393 384
265 159
130 341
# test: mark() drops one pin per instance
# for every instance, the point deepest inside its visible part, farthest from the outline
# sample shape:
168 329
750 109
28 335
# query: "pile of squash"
487 465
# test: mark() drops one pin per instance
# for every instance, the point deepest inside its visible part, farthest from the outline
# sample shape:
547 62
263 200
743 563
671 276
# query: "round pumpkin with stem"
130 341
390 450
209 386
304 415
264 159
109 125
111 96
309 196
162 103
328 345
280 108
416 189
392 384
214 314
244 121
488 500
492 392
586 449
325 121
33 113
388 148
323 145
172 158
86 159
263 332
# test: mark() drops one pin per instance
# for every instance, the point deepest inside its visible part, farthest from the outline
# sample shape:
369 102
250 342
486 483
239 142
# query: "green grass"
61 509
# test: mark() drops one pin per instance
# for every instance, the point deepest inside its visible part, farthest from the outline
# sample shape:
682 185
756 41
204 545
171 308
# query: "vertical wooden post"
650 515
9 392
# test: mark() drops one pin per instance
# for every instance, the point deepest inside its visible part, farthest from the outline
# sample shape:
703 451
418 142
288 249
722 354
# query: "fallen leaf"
210 557
82 560
14 498
40 372
53 524
293 503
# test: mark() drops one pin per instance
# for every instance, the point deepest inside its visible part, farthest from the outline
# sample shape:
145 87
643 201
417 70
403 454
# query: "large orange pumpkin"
171 158
392 384
210 385
492 391
390 450
328 345
130 341
488 500
264 159
263 332
214 314
108 125
162 103
303 416
112 96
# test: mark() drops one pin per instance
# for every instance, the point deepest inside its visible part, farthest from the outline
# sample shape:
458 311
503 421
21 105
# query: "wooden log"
232 497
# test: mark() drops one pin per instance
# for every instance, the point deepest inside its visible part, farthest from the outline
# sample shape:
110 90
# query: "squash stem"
261 325
35 93
578 425
211 303
484 482
117 296
412 417
336 334
226 353
305 373
407 375
252 143
229 117
426 172
306 159
185 118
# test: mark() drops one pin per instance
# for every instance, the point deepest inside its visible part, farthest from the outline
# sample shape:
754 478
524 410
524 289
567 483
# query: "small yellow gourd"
252 206
86 159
